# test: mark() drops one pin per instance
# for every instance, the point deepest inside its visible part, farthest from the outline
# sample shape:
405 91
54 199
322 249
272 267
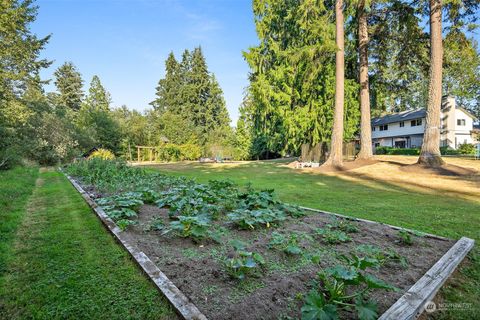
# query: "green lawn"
433 212
57 260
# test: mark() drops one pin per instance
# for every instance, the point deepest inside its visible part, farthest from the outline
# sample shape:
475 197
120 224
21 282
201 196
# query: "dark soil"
277 292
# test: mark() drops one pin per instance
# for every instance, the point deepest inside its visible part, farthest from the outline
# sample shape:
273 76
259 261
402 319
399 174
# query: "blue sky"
125 42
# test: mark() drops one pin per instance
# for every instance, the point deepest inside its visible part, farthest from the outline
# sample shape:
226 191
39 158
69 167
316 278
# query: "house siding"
452 134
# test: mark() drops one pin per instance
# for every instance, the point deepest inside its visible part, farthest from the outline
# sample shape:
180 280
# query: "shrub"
448 151
169 152
397 151
467 148
103 154
190 151
174 152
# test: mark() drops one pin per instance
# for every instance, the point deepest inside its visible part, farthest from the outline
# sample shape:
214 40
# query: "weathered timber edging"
178 300
413 302
377 223
408 307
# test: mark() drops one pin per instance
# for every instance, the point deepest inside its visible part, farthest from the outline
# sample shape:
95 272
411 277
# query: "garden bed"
284 256
197 269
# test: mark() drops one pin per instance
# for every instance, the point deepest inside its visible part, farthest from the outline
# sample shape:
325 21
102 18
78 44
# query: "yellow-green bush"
173 152
104 154
190 151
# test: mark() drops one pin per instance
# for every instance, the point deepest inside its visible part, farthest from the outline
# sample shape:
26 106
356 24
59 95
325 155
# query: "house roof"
401 116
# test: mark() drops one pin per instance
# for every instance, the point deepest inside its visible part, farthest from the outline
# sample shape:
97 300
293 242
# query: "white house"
405 129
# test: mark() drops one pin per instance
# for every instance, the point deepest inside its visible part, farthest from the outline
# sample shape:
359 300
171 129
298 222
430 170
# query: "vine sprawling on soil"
252 236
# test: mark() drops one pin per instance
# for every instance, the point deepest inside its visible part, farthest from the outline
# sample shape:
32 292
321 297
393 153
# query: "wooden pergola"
151 150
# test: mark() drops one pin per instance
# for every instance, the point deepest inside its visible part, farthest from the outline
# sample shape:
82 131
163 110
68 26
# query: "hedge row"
466 148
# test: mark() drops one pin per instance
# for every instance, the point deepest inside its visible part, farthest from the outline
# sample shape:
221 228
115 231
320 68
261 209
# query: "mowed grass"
447 206
16 186
61 262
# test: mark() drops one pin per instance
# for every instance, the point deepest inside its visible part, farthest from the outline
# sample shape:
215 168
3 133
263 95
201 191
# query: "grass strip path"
16 186
65 265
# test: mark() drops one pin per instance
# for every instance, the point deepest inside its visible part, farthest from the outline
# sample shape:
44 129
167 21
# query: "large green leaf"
316 308
366 310
375 283
349 275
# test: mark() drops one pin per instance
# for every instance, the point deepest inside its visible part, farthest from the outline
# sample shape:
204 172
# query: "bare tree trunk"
336 153
430 153
365 122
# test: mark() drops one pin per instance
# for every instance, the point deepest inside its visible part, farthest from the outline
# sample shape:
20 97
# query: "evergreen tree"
95 121
19 66
292 77
98 98
190 95
69 85
168 88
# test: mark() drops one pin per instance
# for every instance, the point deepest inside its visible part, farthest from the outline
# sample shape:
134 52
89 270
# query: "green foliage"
243 263
331 293
68 82
397 151
117 176
383 257
122 208
172 152
123 224
405 237
249 219
195 227
343 224
290 245
95 120
332 236
317 308
467 148
190 95
101 153
292 80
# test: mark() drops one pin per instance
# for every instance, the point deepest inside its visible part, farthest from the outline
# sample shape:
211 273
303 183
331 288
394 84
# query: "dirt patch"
197 268
444 170
347 165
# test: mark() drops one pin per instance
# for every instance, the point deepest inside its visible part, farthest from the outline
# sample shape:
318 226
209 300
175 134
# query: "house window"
377 144
460 122
416 122
384 127
402 124
374 128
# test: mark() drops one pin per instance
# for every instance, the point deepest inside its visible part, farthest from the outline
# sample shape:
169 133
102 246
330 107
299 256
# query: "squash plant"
289 245
330 294
243 262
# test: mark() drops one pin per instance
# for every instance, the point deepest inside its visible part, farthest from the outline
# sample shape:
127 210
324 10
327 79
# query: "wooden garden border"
408 307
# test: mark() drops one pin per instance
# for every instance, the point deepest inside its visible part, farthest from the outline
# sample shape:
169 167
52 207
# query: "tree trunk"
430 153
365 123
336 153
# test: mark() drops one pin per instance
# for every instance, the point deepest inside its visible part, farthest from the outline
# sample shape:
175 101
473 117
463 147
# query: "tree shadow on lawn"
414 204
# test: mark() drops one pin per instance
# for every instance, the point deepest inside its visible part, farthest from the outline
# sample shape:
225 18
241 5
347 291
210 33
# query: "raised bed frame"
409 306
